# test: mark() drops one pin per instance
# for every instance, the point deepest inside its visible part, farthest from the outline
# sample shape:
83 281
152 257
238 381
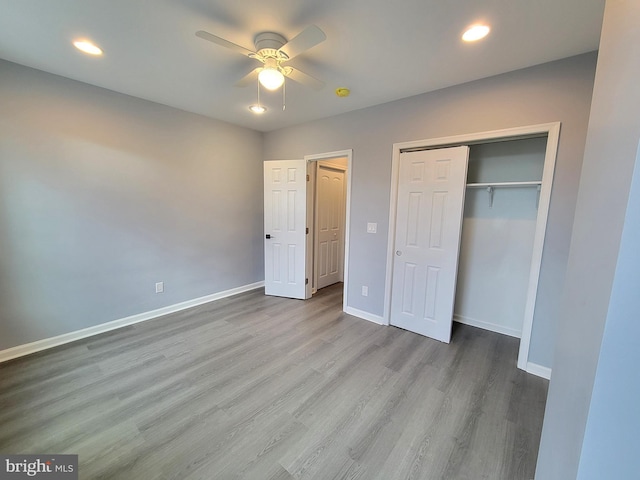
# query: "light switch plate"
372 227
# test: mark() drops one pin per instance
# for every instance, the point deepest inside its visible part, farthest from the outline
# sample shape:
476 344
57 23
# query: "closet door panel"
429 217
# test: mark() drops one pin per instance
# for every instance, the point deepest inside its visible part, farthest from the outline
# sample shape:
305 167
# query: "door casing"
348 154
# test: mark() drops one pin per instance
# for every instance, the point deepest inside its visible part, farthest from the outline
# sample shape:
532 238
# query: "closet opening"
506 186
498 231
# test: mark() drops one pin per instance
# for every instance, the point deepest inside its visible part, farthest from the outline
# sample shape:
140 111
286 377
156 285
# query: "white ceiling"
382 50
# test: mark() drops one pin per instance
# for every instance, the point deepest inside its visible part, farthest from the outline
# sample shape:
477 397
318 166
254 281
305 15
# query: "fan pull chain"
284 94
259 104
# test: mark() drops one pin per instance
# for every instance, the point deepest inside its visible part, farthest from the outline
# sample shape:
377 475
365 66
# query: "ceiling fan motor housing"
268 43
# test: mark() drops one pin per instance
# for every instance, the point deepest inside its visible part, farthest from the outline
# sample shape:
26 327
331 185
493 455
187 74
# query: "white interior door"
430 204
330 225
285 186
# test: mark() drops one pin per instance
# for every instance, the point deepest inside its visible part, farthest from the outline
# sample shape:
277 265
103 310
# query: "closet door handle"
398 252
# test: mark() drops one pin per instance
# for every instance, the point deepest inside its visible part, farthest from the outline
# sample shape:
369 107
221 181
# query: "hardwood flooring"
255 387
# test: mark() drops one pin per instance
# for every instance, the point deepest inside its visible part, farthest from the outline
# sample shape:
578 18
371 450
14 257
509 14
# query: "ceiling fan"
273 51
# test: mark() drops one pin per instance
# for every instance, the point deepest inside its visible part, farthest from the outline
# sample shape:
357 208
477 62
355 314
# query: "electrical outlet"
159 287
372 227
365 290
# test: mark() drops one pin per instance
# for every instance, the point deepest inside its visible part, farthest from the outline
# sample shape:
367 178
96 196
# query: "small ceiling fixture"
87 47
258 109
475 32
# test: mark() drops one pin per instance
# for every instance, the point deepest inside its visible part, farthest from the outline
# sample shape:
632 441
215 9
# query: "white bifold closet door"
430 203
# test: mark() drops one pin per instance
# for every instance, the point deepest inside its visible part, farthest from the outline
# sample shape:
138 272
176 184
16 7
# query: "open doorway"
289 224
328 188
328 199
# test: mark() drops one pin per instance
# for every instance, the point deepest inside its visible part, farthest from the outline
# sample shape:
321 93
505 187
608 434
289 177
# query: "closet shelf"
490 187
535 183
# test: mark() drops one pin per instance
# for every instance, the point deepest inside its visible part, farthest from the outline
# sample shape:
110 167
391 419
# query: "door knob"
269 236
398 252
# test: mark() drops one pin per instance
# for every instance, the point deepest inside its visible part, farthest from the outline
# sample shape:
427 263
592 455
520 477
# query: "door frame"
310 221
552 132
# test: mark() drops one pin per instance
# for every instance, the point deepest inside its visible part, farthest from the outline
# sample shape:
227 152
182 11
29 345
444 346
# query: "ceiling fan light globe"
271 78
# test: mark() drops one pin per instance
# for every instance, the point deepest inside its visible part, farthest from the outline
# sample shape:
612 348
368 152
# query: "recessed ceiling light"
258 109
476 32
87 47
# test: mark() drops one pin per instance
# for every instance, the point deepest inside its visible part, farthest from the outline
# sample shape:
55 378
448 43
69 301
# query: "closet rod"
535 183
491 186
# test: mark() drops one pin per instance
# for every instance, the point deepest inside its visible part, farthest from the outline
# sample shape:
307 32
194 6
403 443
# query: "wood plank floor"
255 387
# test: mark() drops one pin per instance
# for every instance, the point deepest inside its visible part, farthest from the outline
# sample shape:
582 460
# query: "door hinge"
306 281
307 177
307 230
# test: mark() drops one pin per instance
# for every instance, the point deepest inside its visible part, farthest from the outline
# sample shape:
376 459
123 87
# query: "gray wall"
611 441
558 91
102 195
588 301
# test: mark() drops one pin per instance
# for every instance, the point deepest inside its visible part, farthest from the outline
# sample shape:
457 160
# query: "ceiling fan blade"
224 43
249 78
309 37
305 79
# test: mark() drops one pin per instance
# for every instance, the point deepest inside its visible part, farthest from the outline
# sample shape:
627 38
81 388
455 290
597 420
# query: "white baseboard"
29 348
365 315
538 370
512 332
